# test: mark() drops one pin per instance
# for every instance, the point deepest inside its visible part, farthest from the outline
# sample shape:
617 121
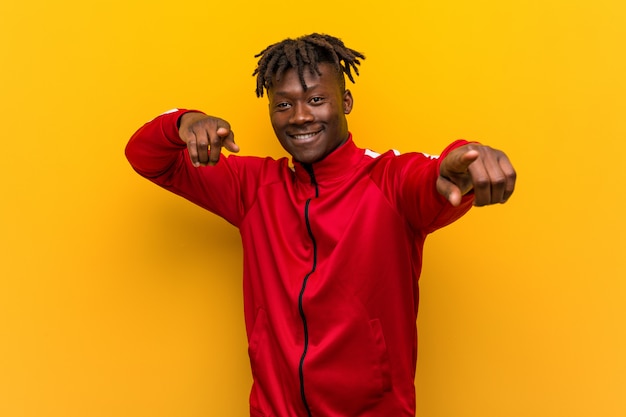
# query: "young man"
333 243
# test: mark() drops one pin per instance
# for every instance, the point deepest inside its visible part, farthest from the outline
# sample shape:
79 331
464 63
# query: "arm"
424 206
432 192
176 160
159 143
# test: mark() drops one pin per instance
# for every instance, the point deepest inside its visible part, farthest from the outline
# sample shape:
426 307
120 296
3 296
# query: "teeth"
305 136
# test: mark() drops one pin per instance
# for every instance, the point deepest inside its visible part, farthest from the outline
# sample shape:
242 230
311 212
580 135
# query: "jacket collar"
335 166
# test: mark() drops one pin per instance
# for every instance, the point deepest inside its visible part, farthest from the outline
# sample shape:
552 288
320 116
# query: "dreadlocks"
305 51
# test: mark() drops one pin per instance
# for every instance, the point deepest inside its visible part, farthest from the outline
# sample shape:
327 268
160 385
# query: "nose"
301 114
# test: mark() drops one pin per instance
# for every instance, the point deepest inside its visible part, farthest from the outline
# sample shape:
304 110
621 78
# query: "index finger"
221 134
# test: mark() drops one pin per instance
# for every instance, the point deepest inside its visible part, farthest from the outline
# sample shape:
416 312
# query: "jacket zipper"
309 169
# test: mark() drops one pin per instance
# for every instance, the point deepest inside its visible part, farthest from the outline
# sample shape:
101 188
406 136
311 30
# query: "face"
310 124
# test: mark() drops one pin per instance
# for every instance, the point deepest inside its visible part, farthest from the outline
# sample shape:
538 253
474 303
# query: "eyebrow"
286 93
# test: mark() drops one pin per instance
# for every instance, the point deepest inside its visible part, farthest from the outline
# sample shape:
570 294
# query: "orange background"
119 299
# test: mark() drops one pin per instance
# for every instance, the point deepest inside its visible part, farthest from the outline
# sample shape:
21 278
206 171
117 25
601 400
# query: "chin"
305 160
304 157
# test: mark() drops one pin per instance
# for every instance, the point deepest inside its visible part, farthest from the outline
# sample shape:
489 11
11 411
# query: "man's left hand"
486 171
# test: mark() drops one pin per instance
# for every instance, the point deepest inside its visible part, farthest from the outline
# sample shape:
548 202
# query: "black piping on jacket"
309 169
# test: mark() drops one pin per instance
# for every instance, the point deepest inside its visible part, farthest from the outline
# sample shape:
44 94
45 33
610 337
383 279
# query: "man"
332 243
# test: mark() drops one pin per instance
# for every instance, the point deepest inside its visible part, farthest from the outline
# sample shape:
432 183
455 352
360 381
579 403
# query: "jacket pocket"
257 338
256 352
384 368
254 412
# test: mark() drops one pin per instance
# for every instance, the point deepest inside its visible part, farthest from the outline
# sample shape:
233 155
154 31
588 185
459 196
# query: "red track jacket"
332 257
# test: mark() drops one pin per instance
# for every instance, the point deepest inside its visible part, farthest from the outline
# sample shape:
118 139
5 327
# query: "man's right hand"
205 136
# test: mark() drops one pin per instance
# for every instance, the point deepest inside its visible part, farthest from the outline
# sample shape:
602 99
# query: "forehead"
290 82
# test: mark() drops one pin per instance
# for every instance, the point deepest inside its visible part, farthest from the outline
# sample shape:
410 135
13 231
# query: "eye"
316 100
282 106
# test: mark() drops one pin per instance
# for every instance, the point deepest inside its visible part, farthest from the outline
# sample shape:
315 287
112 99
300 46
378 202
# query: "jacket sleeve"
423 206
157 153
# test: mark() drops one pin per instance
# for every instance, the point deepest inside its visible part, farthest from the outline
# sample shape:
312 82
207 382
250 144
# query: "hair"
305 52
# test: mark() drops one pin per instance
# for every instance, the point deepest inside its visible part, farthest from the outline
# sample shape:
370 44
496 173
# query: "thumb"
458 161
223 131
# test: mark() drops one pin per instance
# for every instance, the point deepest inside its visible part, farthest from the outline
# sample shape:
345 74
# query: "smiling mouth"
304 136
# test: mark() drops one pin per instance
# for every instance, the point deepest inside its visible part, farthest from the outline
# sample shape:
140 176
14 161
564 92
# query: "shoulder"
395 161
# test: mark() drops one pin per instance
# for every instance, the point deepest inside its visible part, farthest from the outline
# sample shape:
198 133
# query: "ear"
348 101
